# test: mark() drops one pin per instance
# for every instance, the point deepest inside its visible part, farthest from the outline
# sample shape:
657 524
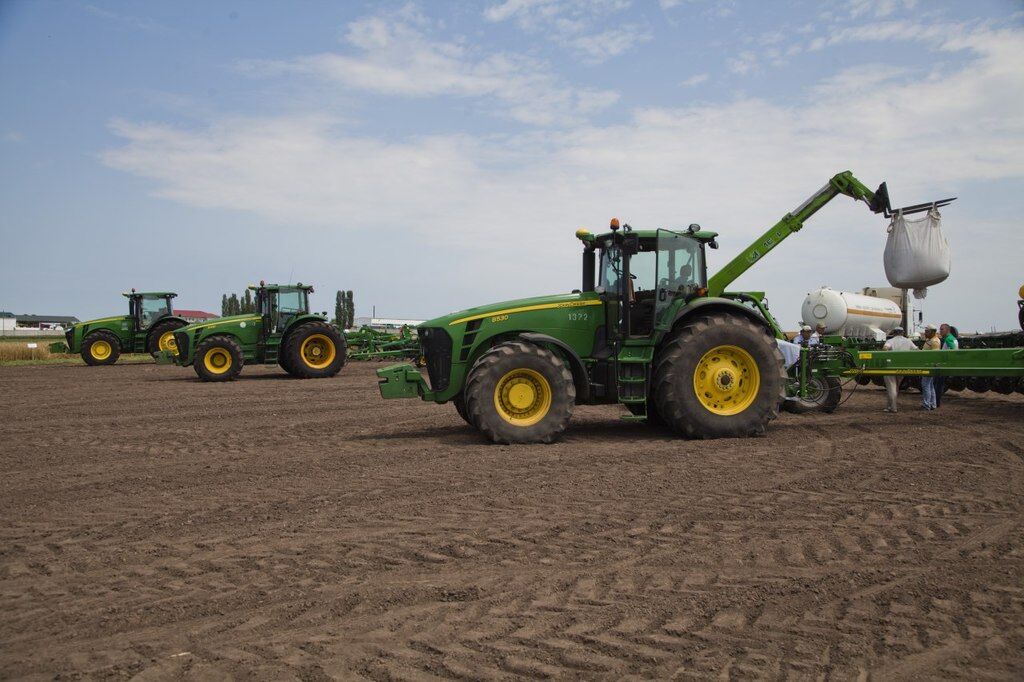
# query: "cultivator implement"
367 343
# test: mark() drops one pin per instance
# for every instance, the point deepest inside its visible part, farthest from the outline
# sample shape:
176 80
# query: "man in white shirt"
898 341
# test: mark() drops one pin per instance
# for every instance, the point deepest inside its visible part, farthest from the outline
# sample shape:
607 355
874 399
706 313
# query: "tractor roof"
149 294
702 235
279 287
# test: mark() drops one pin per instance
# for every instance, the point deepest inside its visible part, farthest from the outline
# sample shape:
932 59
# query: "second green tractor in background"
281 331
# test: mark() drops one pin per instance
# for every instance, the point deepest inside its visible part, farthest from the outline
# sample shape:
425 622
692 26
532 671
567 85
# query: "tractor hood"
99 320
519 305
232 322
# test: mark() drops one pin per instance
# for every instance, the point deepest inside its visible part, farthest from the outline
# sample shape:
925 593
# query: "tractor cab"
279 304
642 274
149 307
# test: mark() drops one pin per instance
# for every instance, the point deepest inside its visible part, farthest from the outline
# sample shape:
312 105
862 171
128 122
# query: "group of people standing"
932 388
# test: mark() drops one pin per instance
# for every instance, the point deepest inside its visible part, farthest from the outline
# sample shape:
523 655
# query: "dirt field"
273 528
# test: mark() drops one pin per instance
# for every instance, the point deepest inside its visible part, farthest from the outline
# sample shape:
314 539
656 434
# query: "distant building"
44 322
195 315
7 322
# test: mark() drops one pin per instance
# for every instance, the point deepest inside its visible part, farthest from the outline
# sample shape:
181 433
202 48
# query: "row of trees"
344 307
233 305
344 310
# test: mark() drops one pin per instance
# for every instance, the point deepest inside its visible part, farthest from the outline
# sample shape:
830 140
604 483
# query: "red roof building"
195 315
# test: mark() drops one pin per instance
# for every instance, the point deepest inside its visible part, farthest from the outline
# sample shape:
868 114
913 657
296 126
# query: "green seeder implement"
148 327
282 331
648 329
367 343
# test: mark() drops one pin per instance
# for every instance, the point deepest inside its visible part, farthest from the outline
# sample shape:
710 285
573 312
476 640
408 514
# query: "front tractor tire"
218 358
161 338
314 350
719 376
519 392
101 348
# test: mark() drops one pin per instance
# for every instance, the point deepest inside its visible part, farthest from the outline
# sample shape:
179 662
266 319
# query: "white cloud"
744 63
878 8
695 79
574 24
396 55
735 167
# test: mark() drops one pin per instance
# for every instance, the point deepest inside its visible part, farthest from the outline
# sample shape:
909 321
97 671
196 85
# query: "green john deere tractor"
648 329
282 331
148 327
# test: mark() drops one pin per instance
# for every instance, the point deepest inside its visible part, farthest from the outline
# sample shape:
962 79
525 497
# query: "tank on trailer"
849 314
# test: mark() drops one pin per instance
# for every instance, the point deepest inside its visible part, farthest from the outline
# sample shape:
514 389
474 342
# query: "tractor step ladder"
633 380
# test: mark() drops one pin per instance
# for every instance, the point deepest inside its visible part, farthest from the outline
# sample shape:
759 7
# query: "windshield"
290 302
153 309
680 268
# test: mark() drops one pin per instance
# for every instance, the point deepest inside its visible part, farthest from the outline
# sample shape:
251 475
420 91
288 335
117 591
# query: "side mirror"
713 243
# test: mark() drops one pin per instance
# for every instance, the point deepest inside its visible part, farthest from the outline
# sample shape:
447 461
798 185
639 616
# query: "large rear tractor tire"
101 348
314 350
218 358
519 392
161 337
823 395
719 376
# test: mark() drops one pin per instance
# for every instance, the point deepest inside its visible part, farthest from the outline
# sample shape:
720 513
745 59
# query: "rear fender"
149 332
709 305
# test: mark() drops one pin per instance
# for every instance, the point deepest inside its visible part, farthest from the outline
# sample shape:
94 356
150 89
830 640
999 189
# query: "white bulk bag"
916 253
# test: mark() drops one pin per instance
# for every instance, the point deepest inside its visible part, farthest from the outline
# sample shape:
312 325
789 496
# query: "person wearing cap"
805 337
931 342
897 341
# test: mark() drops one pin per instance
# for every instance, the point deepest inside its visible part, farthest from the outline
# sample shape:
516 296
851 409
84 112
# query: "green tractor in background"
648 329
282 331
148 327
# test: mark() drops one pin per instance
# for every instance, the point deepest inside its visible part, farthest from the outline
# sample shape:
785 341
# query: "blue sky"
435 156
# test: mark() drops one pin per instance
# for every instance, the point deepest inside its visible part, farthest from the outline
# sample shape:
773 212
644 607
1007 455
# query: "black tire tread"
676 351
109 337
218 341
290 351
480 404
158 330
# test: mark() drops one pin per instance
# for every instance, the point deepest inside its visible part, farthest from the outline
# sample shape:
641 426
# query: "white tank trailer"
849 314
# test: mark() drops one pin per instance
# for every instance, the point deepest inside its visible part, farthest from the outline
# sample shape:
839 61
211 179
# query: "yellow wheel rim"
318 351
522 397
726 380
167 342
100 350
217 360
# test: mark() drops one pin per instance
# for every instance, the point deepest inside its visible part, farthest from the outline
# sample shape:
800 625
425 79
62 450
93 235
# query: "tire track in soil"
309 529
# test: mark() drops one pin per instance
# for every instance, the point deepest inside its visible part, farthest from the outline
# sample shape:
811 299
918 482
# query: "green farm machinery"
367 343
281 331
148 327
648 329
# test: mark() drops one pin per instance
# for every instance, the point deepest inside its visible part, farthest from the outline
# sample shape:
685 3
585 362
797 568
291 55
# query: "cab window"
152 309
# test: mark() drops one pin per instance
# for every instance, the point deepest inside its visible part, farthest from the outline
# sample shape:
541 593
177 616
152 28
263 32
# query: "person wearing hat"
897 341
806 336
819 332
931 342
